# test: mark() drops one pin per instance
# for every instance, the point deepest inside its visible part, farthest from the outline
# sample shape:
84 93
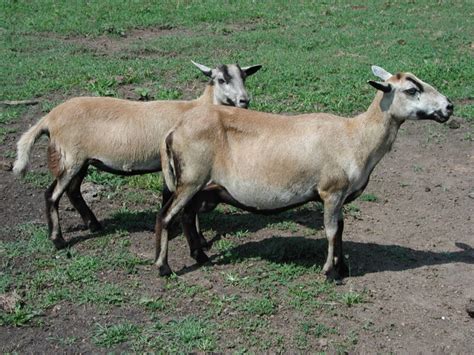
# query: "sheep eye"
221 81
411 91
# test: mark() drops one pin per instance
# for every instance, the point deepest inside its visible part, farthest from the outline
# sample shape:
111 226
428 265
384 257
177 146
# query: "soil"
411 251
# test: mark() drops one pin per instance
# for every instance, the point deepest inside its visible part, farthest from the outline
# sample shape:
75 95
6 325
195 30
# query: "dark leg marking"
193 236
164 270
53 218
73 192
340 266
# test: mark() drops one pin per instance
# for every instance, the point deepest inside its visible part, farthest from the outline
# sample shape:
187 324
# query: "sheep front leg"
334 268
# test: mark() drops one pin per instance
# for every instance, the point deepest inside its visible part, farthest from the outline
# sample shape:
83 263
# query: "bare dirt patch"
113 43
410 251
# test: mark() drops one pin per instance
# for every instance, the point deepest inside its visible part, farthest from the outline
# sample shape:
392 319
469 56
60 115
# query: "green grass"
369 197
258 306
106 336
39 179
317 56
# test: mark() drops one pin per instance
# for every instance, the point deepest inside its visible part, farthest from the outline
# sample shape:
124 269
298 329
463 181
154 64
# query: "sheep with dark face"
117 136
265 162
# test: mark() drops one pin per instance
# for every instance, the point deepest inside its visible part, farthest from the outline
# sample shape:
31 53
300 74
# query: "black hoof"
200 257
337 272
60 243
165 270
342 269
95 226
205 244
334 277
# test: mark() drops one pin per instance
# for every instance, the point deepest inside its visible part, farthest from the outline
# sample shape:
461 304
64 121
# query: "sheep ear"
385 87
381 72
251 69
205 70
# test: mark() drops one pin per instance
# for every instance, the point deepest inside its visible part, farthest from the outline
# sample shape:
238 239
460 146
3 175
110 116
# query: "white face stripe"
416 99
229 86
229 83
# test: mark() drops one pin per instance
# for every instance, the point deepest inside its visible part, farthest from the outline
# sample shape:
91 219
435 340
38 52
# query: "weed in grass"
184 289
241 234
187 334
352 209
102 178
102 87
350 298
318 330
152 182
107 336
223 245
143 94
219 303
135 197
258 306
232 278
19 317
9 154
153 304
4 132
127 261
168 94
38 179
47 106
83 268
349 341
285 226
6 279
11 114
369 197
54 296
249 325
34 240
309 296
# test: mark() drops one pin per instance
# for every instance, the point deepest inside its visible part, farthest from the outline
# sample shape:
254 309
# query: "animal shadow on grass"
221 222
123 220
361 258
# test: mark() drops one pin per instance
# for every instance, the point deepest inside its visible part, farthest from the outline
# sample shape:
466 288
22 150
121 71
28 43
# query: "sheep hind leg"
194 237
174 205
73 192
52 196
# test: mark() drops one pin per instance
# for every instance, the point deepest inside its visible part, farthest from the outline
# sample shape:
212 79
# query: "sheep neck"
208 96
377 131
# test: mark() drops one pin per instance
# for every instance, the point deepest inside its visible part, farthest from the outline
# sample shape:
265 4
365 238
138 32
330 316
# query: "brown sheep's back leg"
74 194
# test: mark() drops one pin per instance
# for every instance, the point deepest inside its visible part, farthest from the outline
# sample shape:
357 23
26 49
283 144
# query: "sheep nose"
450 106
244 103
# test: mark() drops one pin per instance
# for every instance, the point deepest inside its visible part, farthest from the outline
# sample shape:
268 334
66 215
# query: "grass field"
316 57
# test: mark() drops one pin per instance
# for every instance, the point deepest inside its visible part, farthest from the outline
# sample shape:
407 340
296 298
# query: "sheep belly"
128 167
268 197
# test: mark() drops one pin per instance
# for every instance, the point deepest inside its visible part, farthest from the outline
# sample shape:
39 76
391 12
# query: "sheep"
264 162
117 136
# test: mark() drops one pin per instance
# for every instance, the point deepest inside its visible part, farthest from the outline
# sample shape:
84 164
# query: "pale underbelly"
128 167
266 197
